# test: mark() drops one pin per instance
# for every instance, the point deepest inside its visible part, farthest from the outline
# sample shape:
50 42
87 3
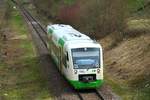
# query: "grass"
17 21
133 5
126 92
22 80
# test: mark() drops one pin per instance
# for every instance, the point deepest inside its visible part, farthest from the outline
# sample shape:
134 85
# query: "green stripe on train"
61 42
50 31
84 85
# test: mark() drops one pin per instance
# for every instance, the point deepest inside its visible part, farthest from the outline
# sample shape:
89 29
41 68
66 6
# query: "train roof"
64 33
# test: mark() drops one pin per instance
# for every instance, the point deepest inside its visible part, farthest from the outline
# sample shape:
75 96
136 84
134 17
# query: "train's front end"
87 65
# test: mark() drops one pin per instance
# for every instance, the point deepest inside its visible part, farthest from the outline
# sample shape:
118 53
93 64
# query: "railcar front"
87 65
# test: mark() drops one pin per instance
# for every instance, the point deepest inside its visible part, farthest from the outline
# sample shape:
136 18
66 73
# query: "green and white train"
78 58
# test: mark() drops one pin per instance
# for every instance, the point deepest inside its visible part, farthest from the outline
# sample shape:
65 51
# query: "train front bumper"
86 85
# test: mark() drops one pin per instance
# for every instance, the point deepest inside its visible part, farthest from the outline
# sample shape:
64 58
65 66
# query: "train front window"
86 58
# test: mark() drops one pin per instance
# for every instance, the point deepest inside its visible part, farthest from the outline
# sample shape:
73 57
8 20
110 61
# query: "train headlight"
98 70
75 71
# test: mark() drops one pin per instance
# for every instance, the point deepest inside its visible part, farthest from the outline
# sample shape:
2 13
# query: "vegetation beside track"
20 75
127 92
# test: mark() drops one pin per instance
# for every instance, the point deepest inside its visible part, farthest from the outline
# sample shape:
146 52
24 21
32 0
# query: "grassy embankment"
127 70
20 76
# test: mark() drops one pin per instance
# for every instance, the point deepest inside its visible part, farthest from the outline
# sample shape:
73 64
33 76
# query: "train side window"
67 57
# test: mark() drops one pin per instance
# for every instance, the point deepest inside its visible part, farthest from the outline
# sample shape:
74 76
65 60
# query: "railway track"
89 95
40 31
42 34
36 26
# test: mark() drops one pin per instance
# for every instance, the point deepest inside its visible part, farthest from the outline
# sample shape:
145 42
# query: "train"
78 58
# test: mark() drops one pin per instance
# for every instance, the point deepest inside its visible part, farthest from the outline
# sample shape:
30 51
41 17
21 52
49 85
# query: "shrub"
69 13
103 17
96 18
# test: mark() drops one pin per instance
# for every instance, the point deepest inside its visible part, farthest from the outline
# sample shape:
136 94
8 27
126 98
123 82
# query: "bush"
103 17
96 18
69 13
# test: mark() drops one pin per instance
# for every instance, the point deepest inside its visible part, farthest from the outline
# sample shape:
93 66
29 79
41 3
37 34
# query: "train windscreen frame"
86 58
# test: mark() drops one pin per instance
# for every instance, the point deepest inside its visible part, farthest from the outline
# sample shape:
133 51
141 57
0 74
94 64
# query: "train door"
67 66
65 63
67 60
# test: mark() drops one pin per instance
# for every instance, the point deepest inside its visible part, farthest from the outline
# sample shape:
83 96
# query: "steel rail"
36 21
31 19
33 25
79 95
98 94
95 91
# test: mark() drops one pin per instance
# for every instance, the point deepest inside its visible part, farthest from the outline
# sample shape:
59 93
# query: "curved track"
42 35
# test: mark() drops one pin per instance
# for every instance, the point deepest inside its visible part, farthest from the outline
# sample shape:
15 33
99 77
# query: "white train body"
79 58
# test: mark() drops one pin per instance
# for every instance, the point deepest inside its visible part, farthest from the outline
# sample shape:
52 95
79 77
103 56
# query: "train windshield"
86 58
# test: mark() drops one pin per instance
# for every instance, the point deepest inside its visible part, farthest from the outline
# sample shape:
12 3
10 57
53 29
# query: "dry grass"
127 67
130 60
135 27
